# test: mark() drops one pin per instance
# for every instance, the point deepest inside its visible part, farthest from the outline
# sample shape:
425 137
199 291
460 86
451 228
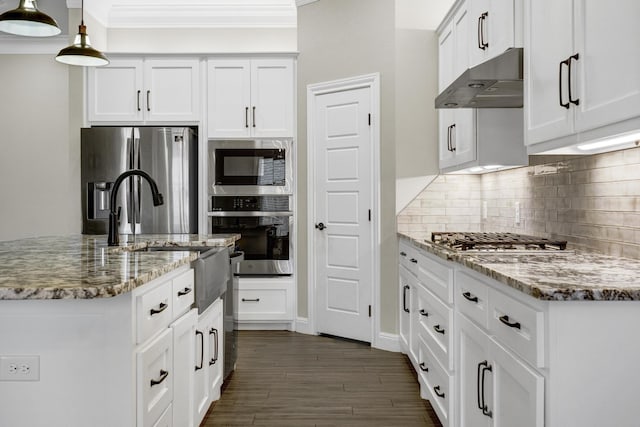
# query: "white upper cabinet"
493 28
582 73
250 98
139 90
473 138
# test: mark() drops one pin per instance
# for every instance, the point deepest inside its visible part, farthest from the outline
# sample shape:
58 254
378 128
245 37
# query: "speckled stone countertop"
557 276
84 267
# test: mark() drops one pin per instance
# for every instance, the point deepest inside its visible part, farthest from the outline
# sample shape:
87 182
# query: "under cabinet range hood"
496 83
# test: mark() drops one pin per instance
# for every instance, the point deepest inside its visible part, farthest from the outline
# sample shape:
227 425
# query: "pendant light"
27 20
80 52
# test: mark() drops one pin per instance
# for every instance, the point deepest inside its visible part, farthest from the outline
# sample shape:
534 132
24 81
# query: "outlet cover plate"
19 368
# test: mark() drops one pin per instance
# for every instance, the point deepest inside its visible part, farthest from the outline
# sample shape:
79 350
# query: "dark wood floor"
289 379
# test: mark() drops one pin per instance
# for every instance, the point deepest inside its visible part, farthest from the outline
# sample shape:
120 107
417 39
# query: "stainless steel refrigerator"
168 154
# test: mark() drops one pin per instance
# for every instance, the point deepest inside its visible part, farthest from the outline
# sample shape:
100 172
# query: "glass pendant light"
27 20
80 52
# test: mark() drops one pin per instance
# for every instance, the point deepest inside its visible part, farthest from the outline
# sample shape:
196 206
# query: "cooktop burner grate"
497 241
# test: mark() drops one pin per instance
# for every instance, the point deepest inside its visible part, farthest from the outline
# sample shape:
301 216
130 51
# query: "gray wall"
40 161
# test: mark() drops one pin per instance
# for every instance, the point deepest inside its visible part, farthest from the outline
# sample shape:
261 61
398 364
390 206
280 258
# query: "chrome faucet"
158 200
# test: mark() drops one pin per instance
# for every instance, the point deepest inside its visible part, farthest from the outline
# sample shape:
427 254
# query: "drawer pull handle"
250 300
424 313
160 309
436 390
163 376
214 332
413 260
184 292
438 329
403 253
470 297
505 319
423 367
201 349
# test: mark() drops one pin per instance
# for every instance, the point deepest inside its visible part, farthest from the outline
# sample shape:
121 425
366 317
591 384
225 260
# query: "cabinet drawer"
407 255
435 325
436 276
154 311
263 304
472 298
435 384
154 382
183 293
517 326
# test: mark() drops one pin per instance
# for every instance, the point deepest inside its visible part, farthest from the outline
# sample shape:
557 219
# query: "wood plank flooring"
289 379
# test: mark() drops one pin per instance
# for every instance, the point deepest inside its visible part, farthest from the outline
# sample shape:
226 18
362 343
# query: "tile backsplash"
591 201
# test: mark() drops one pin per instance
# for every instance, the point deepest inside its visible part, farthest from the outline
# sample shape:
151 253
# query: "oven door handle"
235 214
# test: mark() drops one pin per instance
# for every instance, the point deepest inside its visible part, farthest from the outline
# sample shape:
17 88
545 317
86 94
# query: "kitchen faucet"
158 200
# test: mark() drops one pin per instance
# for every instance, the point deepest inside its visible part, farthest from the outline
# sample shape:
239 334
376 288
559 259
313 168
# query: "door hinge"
369 311
369 119
369 215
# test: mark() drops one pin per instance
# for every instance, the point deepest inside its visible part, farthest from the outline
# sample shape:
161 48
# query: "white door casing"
343 175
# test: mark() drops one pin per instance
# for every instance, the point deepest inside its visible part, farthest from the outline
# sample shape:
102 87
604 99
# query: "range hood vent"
496 83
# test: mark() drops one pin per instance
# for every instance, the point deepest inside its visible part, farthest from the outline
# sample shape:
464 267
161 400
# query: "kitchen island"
94 335
536 339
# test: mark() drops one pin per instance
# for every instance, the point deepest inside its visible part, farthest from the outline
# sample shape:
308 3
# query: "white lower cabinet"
264 302
209 359
155 388
495 387
183 379
167 419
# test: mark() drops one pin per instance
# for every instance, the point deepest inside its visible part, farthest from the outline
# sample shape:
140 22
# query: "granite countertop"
557 276
84 267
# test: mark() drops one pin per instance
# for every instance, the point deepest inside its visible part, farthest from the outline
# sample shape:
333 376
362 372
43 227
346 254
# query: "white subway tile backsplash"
591 201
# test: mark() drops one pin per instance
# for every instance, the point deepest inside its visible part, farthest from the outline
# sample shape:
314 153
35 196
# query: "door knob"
320 226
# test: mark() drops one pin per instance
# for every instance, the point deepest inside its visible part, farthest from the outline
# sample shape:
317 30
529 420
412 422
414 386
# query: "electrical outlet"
19 368
484 209
517 205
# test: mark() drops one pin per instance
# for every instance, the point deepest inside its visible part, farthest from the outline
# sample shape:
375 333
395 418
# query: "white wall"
40 160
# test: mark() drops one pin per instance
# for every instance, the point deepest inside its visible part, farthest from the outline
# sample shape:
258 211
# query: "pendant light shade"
27 20
80 52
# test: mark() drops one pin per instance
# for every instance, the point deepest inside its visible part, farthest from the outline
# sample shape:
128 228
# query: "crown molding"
203 16
32 45
304 2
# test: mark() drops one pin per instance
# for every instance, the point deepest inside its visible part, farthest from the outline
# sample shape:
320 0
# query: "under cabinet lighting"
610 142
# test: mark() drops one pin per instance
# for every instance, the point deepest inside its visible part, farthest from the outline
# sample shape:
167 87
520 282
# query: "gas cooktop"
498 242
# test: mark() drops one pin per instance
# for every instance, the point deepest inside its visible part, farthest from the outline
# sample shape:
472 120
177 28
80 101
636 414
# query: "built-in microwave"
250 167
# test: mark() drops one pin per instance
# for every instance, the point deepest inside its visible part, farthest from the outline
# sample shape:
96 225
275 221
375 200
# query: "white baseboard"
303 326
248 326
388 342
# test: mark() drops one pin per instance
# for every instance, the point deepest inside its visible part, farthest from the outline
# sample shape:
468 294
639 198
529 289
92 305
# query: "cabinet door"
474 361
172 90
446 46
201 398
272 98
548 39
461 44
115 91
229 98
608 68
406 284
492 29
154 378
183 355
215 342
464 135
518 391
445 150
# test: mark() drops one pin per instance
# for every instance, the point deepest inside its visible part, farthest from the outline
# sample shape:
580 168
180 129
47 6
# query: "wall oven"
250 167
265 223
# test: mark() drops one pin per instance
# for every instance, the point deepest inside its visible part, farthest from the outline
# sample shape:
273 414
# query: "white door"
343 200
